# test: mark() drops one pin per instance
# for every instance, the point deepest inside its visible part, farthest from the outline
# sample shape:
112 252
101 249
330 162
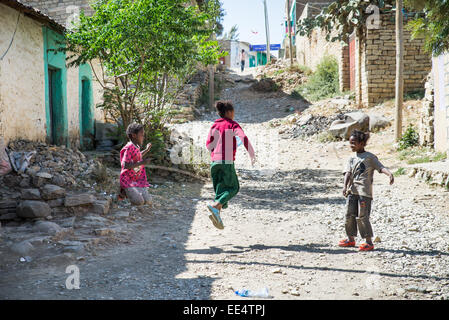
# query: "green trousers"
225 181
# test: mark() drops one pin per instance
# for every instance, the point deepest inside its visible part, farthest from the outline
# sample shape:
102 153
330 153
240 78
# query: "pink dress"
136 177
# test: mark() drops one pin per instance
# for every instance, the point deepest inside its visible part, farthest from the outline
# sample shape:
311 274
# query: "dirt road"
280 232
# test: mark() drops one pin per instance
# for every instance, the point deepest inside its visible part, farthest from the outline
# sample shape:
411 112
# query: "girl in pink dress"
133 178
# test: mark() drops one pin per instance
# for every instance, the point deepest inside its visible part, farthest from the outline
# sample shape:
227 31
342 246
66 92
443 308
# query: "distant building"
233 48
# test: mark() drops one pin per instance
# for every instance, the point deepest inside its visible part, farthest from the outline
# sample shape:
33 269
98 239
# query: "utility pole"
212 83
267 31
399 70
290 32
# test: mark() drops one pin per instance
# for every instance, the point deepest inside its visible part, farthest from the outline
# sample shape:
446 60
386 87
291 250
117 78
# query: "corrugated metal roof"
33 13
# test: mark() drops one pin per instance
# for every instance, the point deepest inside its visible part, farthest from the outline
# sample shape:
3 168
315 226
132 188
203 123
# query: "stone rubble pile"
280 73
50 186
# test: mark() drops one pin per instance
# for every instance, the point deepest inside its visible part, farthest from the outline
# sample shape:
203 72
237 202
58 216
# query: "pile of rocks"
285 77
57 165
308 125
44 188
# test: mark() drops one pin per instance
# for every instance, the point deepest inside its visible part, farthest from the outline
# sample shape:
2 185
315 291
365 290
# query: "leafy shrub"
399 172
323 83
409 139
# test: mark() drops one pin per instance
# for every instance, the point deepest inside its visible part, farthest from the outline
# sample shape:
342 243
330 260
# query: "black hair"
223 107
360 136
243 50
133 128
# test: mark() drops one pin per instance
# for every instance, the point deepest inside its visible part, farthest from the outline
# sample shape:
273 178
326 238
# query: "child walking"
358 188
133 178
222 144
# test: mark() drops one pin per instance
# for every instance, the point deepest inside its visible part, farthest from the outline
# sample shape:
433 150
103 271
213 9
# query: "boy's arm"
389 174
346 183
382 169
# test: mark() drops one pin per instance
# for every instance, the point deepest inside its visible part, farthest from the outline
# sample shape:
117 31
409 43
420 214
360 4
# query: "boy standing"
358 188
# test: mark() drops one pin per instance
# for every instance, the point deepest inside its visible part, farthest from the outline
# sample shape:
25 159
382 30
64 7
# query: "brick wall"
379 63
61 10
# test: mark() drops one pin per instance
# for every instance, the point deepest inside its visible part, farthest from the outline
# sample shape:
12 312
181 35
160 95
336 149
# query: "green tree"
344 17
146 50
232 34
432 23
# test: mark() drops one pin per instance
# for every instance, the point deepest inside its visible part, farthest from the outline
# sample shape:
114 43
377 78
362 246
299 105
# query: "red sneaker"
346 243
366 247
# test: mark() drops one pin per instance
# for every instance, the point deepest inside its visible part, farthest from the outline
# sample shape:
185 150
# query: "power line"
12 39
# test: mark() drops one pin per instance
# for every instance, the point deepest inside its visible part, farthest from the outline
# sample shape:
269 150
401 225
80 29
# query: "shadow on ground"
146 268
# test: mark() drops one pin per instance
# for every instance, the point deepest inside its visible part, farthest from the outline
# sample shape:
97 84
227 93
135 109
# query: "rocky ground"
281 231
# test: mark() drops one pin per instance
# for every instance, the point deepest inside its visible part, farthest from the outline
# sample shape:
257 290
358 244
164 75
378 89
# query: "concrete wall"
441 94
22 83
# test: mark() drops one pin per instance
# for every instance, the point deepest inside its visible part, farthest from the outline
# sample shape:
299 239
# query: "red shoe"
366 247
346 243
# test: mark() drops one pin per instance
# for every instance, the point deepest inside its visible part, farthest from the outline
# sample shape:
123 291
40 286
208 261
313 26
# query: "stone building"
62 11
40 98
368 65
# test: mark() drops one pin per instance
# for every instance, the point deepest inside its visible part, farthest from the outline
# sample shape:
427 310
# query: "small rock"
295 292
79 200
47 227
22 248
377 239
31 194
33 209
103 232
51 191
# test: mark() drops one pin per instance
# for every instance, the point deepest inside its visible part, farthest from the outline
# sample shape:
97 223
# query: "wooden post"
399 94
290 32
212 83
211 87
267 30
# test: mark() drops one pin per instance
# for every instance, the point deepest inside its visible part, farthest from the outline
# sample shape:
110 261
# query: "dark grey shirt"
362 166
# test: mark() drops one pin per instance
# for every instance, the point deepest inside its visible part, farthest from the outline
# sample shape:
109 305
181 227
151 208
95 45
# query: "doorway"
56 107
87 116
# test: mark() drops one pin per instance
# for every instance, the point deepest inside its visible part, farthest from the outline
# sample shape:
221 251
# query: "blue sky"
248 15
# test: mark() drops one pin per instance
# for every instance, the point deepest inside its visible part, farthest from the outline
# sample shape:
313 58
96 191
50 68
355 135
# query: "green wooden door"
57 121
87 116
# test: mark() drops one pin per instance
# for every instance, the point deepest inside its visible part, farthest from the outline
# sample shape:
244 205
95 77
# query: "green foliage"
409 139
147 50
416 155
326 136
401 171
432 24
323 83
415 95
232 34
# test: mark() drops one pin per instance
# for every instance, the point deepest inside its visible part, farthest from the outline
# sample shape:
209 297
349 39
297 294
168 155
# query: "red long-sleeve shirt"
221 141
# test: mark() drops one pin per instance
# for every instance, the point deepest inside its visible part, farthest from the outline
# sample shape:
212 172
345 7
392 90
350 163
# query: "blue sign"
263 47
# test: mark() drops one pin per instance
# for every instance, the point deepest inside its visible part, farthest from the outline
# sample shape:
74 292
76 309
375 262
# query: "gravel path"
280 232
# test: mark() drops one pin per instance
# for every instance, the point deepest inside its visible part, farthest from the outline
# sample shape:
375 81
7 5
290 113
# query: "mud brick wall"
379 61
61 10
